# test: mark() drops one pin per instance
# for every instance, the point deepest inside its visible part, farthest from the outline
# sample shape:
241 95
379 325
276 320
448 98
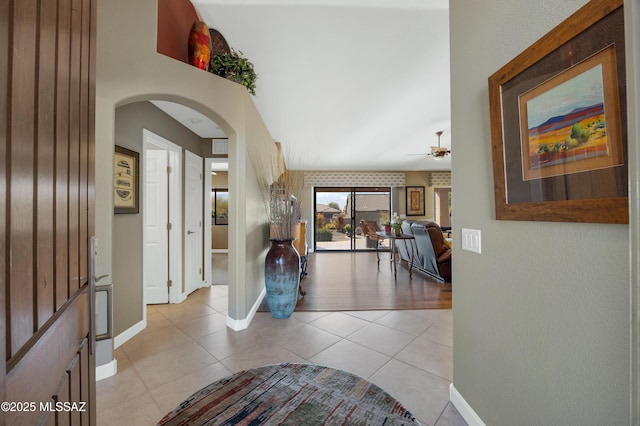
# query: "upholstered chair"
369 231
441 250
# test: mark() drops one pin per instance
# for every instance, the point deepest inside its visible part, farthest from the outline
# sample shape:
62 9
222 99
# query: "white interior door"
207 215
193 234
156 243
162 220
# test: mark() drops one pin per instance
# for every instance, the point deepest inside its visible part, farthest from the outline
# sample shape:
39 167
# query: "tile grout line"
266 332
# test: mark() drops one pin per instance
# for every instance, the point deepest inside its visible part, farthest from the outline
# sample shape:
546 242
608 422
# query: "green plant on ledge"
235 67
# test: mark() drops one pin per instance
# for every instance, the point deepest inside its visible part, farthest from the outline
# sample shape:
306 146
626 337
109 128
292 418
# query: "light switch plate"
471 240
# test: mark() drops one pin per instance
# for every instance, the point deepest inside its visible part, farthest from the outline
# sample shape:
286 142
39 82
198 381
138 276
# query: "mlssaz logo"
63 406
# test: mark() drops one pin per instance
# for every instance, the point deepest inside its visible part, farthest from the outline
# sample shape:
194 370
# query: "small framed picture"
415 200
220 201
126 181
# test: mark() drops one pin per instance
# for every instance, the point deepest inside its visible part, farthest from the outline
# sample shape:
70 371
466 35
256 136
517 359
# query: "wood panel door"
47 98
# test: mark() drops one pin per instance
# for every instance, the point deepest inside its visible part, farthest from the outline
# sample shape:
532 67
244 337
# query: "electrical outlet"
471 240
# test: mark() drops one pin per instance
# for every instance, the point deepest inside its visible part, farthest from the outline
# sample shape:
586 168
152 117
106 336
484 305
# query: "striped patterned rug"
290 394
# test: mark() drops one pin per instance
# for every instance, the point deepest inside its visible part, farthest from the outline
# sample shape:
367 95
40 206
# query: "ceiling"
343 84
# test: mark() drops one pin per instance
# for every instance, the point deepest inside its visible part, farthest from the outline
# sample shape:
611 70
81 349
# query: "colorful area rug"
290 394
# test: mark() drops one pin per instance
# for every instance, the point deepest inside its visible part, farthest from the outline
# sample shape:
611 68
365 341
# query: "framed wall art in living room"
558 123
415 200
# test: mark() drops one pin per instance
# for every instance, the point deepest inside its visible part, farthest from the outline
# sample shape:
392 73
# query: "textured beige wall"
418 179
541 320
130 121
129 70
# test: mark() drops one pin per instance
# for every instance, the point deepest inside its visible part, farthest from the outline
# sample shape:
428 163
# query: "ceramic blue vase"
282 277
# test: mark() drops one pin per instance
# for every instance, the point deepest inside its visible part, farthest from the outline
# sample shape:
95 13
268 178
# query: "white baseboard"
106 370
464 408
129 333
220 251
242 324
179 298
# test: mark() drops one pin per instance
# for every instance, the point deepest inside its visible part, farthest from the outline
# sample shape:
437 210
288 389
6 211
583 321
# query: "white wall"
541 318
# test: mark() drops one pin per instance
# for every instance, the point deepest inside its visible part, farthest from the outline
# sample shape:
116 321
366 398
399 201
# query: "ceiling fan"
437 152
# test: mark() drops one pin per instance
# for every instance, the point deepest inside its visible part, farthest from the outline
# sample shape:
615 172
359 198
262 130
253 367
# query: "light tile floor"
187 346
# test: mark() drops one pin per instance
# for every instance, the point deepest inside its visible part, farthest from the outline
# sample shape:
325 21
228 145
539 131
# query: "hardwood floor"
343 281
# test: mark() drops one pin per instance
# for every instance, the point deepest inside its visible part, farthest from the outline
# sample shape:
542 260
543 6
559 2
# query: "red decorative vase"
199 45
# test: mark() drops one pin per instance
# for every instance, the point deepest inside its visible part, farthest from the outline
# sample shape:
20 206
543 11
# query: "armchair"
441 249
369 229
432 256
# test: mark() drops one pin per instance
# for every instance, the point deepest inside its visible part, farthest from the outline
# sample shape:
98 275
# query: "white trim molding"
106 370
242 324
129 333
464 408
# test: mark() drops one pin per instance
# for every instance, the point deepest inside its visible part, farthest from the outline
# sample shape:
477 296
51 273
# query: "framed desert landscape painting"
558 123
571 123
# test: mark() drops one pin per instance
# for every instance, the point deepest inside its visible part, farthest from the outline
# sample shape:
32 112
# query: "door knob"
190 232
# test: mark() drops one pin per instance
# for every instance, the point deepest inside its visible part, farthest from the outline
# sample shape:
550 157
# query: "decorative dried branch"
278 187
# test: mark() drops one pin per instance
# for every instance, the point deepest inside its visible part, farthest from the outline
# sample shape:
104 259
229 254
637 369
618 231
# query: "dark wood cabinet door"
47 109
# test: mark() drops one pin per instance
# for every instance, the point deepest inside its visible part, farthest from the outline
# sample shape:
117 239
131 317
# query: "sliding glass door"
338 213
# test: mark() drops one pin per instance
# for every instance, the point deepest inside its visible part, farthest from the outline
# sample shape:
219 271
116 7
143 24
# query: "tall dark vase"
282 277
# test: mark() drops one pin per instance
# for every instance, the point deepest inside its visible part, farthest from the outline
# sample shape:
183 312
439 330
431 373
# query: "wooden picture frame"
220 201
415 200
126 181
564 164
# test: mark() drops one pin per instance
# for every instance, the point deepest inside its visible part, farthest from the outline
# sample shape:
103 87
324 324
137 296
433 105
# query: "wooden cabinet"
300 243
300 235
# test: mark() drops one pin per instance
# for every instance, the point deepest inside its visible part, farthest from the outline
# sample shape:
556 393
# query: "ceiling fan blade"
440 154
436 151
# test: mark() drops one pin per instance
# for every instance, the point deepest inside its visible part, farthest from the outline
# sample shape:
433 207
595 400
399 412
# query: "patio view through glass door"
338 212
